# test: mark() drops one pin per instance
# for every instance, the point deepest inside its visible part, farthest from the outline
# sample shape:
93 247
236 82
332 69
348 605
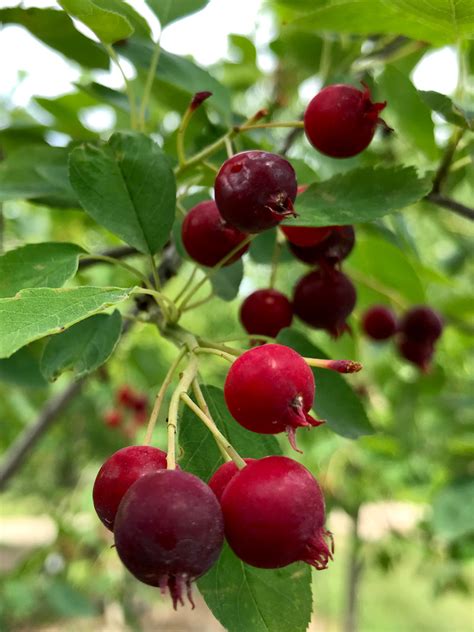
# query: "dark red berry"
140 417
332 250
325 300
255 190
120 471
266 312
379 322
422 324
169 531
113 418
222 477
270 389
306 236
140 402
274 515
340 121
418 353
126 396
207 238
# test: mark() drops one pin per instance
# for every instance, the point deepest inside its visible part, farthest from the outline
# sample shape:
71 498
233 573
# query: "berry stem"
216 433
395 297
187 284
128 86
245 127
121 264
198 394
180 391
149 84
221 354
229 148
154 273
221 347
275 259
161 395
202 301
341 366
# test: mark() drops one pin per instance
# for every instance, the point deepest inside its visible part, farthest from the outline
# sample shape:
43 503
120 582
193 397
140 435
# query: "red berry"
266 312
140 403
340 121
222 477
274 515
379 322
126 396
113 418
306 236
324 300
422 324
255 190
140 417
207 238
118 473
169 531
418 353
270 389
333 249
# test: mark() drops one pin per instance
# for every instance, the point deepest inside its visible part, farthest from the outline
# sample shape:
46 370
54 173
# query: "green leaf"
106 95
452 510
200 454
168 11
108 25
226 281
39 312
455 19
56 29
66 110
242 597
49 264
83 348
441 104
22 369
335 400
360 195
128 186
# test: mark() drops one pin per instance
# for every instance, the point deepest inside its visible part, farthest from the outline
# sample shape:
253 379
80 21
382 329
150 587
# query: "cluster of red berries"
416 332
130 412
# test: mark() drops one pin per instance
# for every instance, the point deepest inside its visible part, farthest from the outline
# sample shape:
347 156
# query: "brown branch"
451 205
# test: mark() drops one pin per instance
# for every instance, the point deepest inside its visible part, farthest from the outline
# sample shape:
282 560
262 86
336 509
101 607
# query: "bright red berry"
336 247
270 389
266 312
118 473
340 121
208 238
303 235
422 324
255 190
418 353
169 531
222 477
126 396
274 515
324 300
379 322
113 418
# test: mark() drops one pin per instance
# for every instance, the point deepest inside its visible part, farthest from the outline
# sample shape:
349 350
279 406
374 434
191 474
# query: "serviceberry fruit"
118 473
340 121
222 477
418 353
304 236
113 418
324 300
332 250
422 324
274 515
270 389
208 238
266 312
126 396
379 322
255 190
169 531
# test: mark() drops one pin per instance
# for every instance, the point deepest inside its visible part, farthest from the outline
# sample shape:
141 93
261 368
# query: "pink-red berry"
266 313
222 477
113 418
379 322
336 247
304 236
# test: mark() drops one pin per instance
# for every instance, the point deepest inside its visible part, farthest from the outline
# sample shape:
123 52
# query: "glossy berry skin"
340 121
274 515
207 238
422 324
270 389
169 531
222 477
113 418
266 312
305 236
255 190
324 300
336 247
418 353
118 473
379 322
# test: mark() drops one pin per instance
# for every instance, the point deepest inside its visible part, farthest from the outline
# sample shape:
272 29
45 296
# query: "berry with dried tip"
379 322
274 515
255 190
336 247
266 312
418 353
113 418
118 473
169 531
422 324
208 238
270 389
340 121
324 300
222 477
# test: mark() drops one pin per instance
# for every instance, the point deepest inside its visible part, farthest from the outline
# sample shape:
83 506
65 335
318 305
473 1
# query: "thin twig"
451 205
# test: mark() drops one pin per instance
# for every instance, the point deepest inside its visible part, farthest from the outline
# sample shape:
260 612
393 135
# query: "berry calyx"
270 389
274 515
222 477
266 313
336 247
169 531
340 121
113 418
379 322
255 190
324 300
118 473
418 353
208 238
422 324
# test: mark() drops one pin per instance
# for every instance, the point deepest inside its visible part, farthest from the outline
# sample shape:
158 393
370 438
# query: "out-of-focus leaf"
441 104
168 11
452 510
22 369
227 280
109 25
